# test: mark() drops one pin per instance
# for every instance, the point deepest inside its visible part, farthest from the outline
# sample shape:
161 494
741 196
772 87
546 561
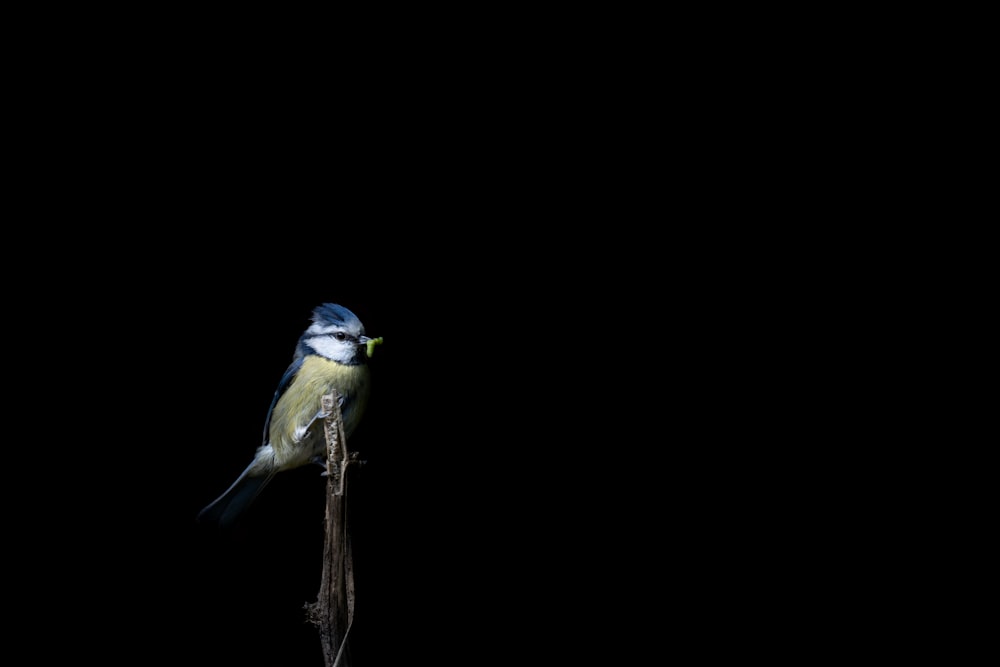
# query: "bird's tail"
225 509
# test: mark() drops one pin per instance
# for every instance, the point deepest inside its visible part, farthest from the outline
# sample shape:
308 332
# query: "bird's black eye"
340 335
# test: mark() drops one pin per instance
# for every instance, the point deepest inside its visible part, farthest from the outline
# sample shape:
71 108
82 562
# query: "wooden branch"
333 611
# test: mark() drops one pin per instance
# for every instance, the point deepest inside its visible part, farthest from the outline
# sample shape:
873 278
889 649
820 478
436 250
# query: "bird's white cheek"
299 433
332 348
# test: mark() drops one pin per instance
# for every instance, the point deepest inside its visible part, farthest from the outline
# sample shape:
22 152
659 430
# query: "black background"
528 489
521 495
484 518
545 433
557 464
617 269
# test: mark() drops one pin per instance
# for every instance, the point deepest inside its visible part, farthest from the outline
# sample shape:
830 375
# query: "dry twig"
333 611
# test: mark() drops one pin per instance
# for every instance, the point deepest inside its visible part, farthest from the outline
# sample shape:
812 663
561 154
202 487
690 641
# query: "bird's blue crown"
332 313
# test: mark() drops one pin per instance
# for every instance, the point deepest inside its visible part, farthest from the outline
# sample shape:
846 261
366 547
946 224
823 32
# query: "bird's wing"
286 380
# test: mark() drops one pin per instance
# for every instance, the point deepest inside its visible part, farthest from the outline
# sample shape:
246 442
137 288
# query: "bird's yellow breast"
300 403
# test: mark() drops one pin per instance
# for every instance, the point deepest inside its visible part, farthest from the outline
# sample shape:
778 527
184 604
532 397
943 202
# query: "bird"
330 355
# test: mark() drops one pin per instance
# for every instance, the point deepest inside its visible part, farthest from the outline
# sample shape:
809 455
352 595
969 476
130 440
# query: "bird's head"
336 334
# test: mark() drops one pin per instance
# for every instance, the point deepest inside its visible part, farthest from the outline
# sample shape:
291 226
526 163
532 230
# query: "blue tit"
332 354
